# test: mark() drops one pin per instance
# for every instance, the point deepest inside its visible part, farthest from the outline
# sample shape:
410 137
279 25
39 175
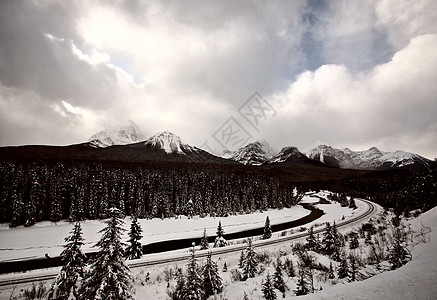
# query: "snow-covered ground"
415 280
47 237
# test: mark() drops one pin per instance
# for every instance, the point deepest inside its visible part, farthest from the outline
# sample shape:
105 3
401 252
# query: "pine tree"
204 241
336 255
241 261
179 292
135 249
278 279
328 240
267 229
267 288
289 267
68 281
353 242
250 261
352 203
193 284
302 285
211 280
399 254
220 240
353 265
311 241
307 263
225 267
343 271
331 271
109 278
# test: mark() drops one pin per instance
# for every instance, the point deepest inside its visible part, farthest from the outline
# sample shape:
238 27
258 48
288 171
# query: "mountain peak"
255 153
367 159
122 136
169 142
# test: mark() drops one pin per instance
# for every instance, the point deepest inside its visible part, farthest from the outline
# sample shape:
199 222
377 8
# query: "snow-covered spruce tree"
135 249
307 263
179 292
204 241
343 268
225 267
268 289
278 279
331 271
338 243
193 283
399 254
353 265
311 241
68 281
211 280
250 261
267 229
241 260
289 267
108 278
220 240
328 242
352 203
301 285
353 242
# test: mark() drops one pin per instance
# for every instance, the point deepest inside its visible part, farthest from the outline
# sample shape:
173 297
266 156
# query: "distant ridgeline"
48 190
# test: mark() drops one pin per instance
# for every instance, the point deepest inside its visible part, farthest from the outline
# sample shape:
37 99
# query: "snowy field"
47 237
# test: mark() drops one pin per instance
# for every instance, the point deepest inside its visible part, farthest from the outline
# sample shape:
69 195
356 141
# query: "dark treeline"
401 190
48 190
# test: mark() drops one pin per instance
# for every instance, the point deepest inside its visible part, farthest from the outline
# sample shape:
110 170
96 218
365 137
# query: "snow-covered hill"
416 280
255 153
122 136
368 159
170 143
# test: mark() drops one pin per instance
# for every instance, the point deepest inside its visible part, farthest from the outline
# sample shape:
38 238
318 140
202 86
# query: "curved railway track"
28 278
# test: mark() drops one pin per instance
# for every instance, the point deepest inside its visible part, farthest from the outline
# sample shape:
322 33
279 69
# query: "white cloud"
393 102
188 66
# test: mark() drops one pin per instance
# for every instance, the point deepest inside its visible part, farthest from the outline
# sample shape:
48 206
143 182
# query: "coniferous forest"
44 190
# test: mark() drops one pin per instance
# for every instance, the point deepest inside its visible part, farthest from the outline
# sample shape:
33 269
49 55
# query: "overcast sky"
351 74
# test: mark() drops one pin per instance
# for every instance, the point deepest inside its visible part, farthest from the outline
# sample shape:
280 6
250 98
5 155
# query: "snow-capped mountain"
285 154
122 136
291 156
170 143
368 159
331 156
400 159
254 154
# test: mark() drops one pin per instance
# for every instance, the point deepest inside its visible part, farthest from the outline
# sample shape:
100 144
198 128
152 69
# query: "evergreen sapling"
267 229
268 289
135 249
